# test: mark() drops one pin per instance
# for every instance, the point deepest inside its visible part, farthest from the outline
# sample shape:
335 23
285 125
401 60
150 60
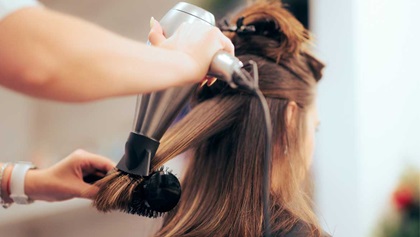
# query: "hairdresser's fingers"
156 36
90 163
101 163
211 81
89 191
208 80
203 82
227 44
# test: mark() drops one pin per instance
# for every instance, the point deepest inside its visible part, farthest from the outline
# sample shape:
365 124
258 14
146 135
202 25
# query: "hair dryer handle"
224 66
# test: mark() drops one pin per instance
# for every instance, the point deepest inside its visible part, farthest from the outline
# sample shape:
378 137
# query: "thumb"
156 36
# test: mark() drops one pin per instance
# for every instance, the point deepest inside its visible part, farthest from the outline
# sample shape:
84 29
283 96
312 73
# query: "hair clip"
240 28
267 28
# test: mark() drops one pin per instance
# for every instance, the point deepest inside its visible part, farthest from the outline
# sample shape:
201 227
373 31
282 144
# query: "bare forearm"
62 181
51 55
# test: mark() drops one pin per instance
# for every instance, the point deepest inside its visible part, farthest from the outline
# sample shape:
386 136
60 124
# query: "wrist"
33 188
188 70
5 184
17 182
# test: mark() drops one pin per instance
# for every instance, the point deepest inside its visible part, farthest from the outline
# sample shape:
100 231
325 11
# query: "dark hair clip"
267 28
240 28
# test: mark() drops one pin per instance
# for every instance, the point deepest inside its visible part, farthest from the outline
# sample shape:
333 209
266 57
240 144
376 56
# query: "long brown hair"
224 137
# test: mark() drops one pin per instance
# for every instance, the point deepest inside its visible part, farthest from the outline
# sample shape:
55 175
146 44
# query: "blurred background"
367 158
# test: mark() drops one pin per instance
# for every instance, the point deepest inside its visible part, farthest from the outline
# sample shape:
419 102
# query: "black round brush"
131 188
149 196
157 194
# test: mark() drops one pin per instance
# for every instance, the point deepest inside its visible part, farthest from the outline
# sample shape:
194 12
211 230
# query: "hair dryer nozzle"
225 65
139 151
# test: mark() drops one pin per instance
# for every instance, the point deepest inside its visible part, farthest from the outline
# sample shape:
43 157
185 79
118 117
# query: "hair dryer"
160 191
156 111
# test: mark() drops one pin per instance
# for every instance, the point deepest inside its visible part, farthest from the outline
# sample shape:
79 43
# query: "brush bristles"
115 192
138 207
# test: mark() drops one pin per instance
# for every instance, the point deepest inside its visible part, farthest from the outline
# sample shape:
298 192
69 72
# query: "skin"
64 180
312 124
84 62
50 55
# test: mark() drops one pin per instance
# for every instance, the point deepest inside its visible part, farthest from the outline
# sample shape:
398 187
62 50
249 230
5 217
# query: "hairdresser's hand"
65 180
199 41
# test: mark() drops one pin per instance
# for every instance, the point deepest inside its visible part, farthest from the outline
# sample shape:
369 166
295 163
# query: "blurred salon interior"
367 147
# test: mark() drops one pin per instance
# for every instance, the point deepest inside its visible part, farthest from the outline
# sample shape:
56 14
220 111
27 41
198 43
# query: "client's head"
224 135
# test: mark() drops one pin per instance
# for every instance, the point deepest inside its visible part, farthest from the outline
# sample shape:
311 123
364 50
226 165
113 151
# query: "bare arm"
55 56
62 181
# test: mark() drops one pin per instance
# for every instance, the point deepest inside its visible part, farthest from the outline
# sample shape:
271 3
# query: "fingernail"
203 83
152 22
211 81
